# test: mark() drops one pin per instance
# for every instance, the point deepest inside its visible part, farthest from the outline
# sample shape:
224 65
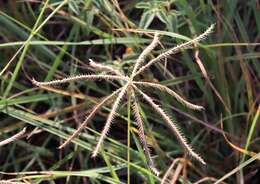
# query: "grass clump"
51 40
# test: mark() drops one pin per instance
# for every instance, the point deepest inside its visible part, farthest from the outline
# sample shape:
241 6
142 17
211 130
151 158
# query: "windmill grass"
132 86
51 40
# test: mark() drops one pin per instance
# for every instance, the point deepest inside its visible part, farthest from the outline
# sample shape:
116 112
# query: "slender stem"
249 137
251 131
26 44
25 47
128 136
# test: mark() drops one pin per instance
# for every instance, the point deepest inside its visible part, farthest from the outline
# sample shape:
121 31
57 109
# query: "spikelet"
141 135
102 67
90 116
174 127
145 52
172 93
176 49
110 119
79 77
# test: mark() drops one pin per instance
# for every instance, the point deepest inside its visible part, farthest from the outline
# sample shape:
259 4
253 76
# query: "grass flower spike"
135 89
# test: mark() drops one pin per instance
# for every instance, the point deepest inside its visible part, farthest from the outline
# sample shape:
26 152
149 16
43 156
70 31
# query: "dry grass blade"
176 49
79 77
177 173
101 67
10 182
142 138
110 119
174 127
168 172
145 52
13 138
205 74
89 117
171 92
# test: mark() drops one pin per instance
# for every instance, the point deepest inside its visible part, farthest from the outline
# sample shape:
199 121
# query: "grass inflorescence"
137 85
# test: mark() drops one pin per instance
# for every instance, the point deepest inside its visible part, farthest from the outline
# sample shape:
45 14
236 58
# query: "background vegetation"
53 39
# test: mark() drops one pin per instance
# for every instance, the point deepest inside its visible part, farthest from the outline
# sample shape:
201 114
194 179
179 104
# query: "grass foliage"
148 53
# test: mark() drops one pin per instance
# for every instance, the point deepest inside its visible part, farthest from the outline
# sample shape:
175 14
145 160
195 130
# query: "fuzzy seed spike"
176 49
110 120
89 117
145 52
172 93
79 77
102 67
173 126
141 135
